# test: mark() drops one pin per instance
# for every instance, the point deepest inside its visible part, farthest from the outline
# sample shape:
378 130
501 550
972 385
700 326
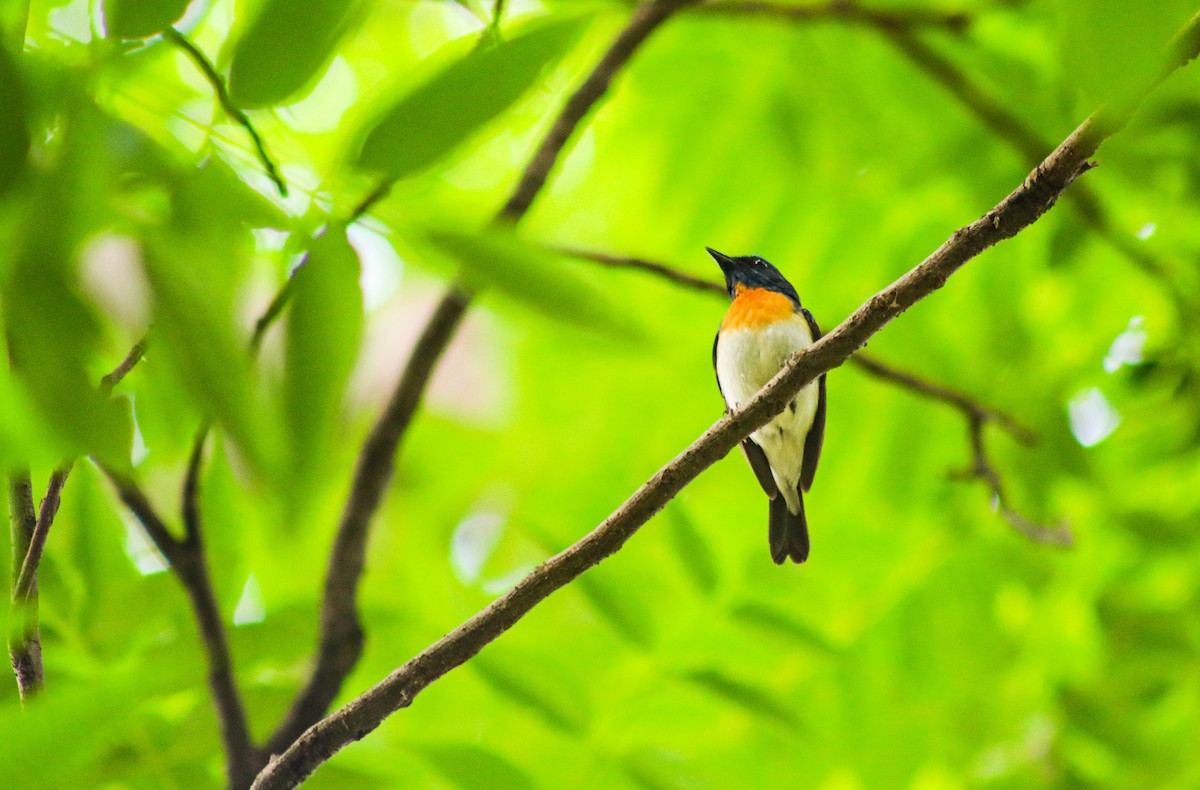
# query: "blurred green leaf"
1113 49
14 126
533 688
549 283
323 335
141 18
472 768
285 47
438 116
692 547
753 700
778 622
196 337
619 608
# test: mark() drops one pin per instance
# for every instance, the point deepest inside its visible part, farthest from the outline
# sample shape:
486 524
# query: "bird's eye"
759 262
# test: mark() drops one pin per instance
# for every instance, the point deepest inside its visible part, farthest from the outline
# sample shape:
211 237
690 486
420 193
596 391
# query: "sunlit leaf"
285 46
435 118
141 18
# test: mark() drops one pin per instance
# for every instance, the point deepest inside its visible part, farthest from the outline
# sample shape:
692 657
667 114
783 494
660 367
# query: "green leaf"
51 356
435 118
287 44
196 336
535 688
472 768
532 275
141 18
692 547
620 610
751 699
777 622
14 129
324 330
1112 48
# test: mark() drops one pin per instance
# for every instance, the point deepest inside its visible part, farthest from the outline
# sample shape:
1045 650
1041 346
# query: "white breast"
746 360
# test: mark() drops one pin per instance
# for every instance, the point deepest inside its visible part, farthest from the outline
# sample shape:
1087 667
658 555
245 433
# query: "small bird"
764 326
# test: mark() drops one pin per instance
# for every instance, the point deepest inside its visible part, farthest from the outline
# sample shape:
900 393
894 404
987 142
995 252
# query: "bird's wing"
762 468
754 454
816 432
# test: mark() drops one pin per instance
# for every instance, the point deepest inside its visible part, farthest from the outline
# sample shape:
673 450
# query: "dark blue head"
751 271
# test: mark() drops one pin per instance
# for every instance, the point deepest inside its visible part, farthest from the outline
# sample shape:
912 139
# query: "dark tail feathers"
789 532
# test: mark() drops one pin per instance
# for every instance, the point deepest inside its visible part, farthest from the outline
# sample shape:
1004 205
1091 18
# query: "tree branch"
847 11
976 413
1014 213
25 641
1009 127
341 634
187 559
981 469
227 104
30 532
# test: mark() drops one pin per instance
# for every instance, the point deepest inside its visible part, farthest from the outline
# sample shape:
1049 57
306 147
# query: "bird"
764 326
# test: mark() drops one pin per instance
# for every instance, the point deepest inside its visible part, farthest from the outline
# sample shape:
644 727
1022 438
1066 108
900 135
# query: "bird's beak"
726 263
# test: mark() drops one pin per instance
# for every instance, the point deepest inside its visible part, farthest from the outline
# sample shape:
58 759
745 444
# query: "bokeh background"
926 644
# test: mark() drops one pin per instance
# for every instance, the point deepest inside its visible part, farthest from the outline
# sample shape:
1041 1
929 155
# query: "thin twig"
239 116
29 544
645 20
652 267
122 370
1021 208
970 408
846 11
981 469
1026 141
23 588
25 641
186 558
341 635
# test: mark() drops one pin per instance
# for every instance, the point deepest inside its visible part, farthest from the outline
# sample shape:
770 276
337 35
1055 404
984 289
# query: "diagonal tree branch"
186 556
846 11
977 414
1021 208
227 104
341 634
1027 142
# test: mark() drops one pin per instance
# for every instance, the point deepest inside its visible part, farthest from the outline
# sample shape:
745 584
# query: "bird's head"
751 271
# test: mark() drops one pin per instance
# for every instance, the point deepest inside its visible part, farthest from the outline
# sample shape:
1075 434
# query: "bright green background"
926 644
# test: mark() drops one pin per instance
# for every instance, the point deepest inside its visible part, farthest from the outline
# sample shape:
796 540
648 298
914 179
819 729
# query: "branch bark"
1022 207
847 11
187 559
341 634
25 641
30 532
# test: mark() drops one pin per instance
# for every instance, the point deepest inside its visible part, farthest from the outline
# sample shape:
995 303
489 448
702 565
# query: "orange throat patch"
754 308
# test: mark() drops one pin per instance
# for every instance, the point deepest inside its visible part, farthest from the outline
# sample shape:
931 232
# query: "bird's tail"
788 535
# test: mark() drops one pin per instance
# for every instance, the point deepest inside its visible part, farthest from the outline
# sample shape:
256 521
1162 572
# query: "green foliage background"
926 644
